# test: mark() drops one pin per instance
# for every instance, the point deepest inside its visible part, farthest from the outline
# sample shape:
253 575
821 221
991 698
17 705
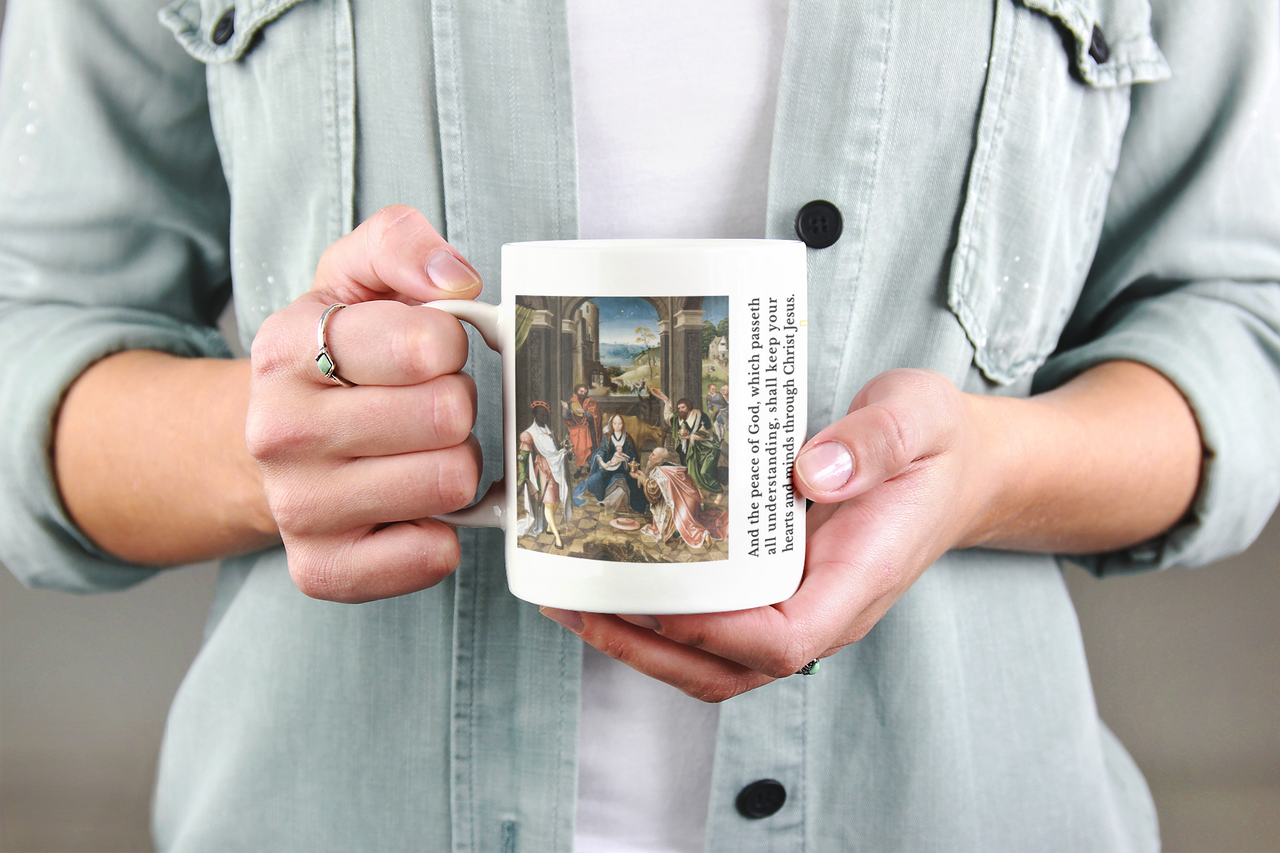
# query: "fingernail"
569 619
448 273
826 467
643 621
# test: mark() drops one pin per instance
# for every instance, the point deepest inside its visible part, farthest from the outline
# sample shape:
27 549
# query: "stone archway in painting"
561 350
679 340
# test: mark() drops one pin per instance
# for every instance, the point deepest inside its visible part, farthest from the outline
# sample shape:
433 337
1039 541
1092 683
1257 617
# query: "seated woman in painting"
607 480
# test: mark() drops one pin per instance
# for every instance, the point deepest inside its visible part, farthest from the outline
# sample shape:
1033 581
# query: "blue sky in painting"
620 315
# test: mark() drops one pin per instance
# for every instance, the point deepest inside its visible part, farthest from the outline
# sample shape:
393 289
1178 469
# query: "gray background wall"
1186 668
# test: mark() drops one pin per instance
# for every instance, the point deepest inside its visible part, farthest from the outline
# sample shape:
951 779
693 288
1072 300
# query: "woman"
1083 255
608 481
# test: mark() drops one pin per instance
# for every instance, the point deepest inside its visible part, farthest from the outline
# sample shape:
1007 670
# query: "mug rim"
657 243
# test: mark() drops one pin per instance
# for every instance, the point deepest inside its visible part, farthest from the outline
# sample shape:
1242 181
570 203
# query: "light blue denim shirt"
1028 188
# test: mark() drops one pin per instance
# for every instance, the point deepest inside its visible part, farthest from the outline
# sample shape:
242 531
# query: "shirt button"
819 224
761 798
226 26
1098 48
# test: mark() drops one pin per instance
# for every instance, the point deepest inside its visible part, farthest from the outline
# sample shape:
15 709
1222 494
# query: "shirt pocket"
281 88
217 31
1054 110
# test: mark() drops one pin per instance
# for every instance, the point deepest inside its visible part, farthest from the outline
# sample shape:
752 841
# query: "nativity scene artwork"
622 409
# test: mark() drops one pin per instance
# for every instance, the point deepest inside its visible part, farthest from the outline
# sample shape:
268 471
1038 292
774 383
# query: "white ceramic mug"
654 403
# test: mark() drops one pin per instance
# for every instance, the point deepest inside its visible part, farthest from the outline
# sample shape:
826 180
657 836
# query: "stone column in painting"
590 329
572 334
687 356
663 380
539 353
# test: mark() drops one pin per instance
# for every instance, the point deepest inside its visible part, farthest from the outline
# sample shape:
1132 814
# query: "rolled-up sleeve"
1186 274
113 236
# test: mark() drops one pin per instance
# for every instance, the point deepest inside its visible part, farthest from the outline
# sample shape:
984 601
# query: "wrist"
151 462
1106 461
999 473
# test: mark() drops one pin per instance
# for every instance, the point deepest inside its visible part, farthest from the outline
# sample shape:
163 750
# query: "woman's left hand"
896 482
1108 460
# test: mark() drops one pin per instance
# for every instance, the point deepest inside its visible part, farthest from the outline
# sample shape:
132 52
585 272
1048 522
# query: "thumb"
394 254
896 419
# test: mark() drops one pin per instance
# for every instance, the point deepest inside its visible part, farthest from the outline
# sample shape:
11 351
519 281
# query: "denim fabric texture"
1015 211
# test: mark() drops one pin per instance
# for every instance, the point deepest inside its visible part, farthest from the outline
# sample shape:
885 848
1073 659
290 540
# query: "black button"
226 27
761 798
1098 48
819 224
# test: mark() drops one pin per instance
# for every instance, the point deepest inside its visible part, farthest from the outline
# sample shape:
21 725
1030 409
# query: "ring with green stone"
324 359
811 668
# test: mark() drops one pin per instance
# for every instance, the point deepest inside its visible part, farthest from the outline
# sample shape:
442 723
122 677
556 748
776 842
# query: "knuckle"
785 662
452 409
329 264
309 582
457 478
259 437
457 495
787 657
272 351
446 555
425 351
898 435
267 436
616 649
430 555
292 517
694 636
297 508
850 637
717 688
409 353
318 573
857 632
935 391
888 440
385 223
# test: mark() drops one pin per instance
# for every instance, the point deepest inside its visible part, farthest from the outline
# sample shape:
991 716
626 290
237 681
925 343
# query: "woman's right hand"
354 475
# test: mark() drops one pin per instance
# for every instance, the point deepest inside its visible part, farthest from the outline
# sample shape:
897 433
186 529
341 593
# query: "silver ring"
324 358
811 668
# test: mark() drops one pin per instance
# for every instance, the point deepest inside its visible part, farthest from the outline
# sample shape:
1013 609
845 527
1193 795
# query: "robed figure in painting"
718 409
542 477
696 442
676 504
608 481
581 416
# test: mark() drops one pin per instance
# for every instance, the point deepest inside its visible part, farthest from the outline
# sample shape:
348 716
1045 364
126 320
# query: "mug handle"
491 509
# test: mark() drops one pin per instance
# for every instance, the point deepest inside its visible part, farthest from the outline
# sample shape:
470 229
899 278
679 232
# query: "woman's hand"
353 475
917 468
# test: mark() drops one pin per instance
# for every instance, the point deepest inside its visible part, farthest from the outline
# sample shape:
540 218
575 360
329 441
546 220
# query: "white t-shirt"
674 102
